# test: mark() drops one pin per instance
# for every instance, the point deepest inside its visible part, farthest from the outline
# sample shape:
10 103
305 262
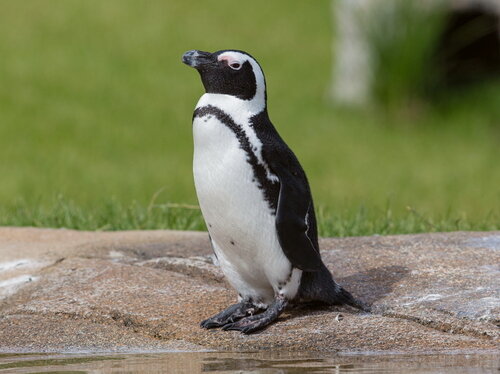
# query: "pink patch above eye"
229 59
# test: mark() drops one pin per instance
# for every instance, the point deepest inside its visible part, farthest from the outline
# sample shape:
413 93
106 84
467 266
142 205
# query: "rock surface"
64 290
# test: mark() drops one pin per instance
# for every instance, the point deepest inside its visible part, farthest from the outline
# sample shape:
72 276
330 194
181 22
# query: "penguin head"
229 72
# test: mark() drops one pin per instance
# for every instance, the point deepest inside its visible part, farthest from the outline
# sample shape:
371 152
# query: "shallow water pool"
261 362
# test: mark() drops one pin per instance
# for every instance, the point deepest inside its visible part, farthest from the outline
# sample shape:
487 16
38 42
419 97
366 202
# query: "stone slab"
73 291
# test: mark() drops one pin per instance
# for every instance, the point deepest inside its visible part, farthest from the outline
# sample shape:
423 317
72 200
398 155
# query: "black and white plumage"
254 196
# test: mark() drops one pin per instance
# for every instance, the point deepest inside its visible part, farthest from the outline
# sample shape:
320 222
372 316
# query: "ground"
64 290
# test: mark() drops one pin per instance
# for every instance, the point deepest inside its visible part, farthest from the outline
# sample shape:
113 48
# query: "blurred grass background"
95 121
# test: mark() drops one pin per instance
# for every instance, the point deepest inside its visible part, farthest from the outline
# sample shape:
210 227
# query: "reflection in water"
456 364
60 372
259 362
213 364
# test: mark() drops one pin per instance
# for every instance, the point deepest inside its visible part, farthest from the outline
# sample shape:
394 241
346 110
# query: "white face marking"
233 61
258 100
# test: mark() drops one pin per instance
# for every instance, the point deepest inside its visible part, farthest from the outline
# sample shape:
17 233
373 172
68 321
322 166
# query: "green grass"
113 215
95 106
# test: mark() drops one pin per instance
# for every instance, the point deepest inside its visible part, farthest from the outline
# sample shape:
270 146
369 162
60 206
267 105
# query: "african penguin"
255 198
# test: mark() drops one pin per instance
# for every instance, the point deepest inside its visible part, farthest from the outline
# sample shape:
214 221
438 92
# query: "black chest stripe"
269 188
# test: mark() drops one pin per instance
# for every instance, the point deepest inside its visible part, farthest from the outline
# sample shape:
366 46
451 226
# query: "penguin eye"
235 65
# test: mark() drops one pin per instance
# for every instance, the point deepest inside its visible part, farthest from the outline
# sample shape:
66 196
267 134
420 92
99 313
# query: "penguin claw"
228 327
245 327
210 323
250 324
230 315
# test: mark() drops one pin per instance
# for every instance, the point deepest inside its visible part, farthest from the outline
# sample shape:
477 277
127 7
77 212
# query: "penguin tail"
344 297
320 287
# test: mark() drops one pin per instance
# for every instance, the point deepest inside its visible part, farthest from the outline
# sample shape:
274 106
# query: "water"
262 362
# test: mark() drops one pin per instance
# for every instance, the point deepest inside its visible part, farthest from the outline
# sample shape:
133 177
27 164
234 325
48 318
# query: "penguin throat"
233 105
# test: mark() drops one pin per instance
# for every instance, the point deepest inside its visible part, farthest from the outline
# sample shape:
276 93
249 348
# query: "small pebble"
339 317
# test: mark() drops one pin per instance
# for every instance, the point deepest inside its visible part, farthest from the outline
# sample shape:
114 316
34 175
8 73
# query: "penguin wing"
295 219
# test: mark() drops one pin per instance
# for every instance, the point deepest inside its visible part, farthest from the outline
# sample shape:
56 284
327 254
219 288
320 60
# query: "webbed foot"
259 321
230 315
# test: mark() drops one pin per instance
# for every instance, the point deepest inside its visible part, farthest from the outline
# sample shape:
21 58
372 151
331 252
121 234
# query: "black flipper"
295 220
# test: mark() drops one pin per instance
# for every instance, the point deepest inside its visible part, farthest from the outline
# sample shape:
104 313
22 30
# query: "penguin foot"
232 314
257 322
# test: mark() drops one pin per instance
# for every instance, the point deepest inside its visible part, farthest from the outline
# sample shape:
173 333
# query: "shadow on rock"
368 286
375 283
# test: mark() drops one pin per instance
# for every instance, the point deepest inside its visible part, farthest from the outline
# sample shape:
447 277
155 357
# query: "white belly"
239 220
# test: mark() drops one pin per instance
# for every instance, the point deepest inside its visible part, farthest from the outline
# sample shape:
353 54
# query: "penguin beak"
196 59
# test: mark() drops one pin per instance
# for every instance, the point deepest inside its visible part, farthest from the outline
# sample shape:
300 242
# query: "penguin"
255 198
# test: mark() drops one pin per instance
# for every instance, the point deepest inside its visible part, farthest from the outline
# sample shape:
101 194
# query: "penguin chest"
239 219
231 201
